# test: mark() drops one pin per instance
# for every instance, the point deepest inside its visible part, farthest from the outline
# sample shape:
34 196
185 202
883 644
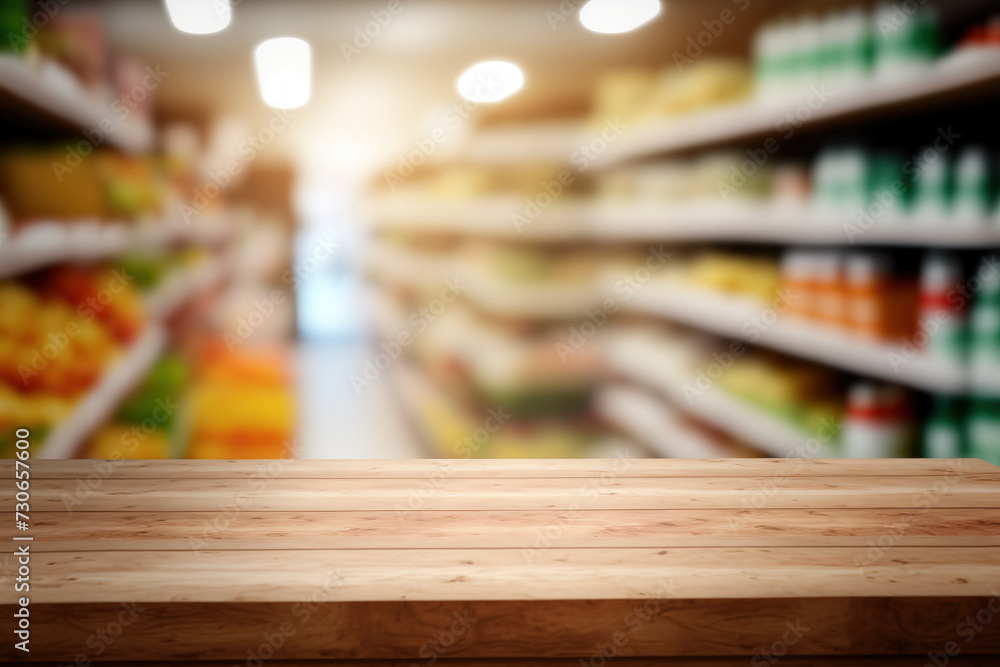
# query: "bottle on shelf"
944 431
877 423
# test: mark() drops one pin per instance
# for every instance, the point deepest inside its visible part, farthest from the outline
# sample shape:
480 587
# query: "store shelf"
103 400
641 358
739 318
783 225
654 423
537 300
499 217
967 72
47 243
696 222
48 95
181 286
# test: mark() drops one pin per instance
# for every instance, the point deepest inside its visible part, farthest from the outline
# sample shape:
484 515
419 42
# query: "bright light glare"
490 81
199 17
611 16
284 72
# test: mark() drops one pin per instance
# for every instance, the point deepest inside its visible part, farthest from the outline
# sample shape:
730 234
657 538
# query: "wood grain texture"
740 661
509 574
518 629
364 560
478 469
522 529
213 495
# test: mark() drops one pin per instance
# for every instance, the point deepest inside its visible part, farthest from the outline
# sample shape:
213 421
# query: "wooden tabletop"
242 532
510 530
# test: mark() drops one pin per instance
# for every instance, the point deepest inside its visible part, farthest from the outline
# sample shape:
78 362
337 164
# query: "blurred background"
395 229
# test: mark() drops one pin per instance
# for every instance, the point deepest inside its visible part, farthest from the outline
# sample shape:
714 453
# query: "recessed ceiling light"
199 17
490 81
613 16
284 71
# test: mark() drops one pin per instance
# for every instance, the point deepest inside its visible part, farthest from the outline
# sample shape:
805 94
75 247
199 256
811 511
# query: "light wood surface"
552 555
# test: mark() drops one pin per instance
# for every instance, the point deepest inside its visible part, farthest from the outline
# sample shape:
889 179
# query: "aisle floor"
335 421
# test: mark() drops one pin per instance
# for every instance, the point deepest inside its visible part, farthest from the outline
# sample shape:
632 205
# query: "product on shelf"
856 292
843 48
877 422
701 84
146 424
243 405
102 185
944 432
963 428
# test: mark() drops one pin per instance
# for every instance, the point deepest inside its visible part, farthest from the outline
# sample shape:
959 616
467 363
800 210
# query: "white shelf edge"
726 315
643 362
963 69
609 221
103 399
55 243
69 107
646 418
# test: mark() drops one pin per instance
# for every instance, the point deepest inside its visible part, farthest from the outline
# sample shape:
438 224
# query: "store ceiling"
393 89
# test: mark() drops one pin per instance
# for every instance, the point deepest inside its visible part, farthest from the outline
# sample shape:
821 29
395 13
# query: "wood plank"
165 495
508 574
556 628
735 661
476 469
253 530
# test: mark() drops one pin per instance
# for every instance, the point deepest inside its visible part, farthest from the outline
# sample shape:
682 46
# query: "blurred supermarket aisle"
335 422
500 228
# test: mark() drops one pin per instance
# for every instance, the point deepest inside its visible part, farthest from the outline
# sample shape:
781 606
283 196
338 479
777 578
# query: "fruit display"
59 331
102 185
147 425
242 405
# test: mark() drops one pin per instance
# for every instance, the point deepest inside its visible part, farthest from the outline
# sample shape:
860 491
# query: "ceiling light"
490 81
611 16
284 71
199 17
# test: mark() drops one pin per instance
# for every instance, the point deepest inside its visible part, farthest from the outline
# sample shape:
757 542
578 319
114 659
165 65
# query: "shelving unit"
652 422
640 359
969 72
48 243
48 96
727 315
697 222
102 400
